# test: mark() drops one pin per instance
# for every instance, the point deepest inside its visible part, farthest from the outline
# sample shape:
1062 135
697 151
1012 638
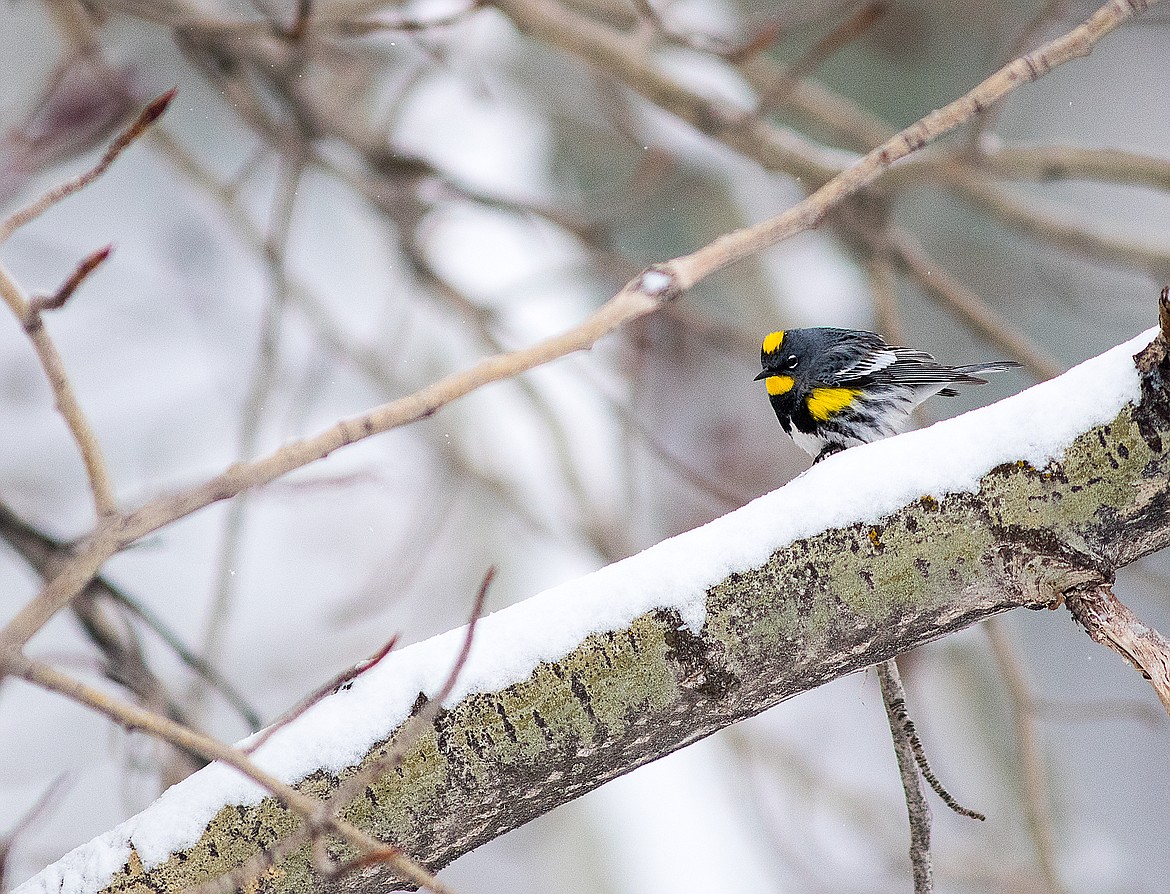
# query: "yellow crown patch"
772 341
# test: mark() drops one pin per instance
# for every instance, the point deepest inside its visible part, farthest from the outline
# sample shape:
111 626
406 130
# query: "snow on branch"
868 554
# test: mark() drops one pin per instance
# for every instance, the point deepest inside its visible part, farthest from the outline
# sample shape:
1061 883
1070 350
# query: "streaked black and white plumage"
834 388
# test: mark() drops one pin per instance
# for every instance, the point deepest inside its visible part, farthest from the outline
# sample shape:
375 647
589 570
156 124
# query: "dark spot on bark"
1123 451
582 695
509 728
542 725
698 668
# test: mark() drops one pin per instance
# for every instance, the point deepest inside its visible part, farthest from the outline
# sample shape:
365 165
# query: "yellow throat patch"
778 385
826 402
772 342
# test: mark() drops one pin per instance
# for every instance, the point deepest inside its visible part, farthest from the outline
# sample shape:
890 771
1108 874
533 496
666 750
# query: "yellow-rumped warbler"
834 388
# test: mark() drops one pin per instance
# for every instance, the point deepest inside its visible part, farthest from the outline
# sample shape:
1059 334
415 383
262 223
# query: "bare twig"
735 246
318 819
919 752
968 306
1032 768
258 397
125 660
214 678
1051 11
27 822
894 698
31 212
884 288
41 303
1109 622
1097 710
325 689
1053 225
87 443
300 24
844 34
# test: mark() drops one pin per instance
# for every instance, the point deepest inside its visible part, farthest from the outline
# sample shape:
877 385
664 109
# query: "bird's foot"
826 451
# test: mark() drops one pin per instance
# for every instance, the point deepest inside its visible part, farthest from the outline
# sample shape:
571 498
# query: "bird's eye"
792 362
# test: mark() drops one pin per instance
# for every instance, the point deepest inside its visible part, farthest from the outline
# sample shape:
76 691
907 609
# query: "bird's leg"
828 450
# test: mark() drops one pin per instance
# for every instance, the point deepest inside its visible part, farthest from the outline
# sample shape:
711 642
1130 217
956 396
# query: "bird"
836 388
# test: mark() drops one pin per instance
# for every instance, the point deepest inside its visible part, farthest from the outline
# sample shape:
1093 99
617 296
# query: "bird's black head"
782 356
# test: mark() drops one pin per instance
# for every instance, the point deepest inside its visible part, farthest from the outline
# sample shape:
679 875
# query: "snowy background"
600 455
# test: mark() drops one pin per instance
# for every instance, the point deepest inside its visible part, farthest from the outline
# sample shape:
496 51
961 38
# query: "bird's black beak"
762 375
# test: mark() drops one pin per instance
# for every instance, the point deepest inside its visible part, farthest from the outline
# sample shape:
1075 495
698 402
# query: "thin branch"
894 699
345 676
31 212
1097 710
258 397
1050 12
884 290
40 303
735 246
214 678
1052 224
27 822
1039 164
300 24
316 818
1032 766
845 33
916 747
968 306
125 660
87 444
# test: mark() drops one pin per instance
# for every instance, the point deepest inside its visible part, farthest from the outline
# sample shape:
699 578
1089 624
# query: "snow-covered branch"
871 553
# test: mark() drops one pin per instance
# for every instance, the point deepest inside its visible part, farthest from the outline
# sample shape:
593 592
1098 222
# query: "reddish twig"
325 689
137 128
57 300
301 23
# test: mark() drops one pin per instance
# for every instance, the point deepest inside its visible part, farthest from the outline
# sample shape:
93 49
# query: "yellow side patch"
777 385
772 342
826 402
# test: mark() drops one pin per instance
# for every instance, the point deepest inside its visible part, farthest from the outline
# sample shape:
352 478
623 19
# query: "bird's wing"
871 362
